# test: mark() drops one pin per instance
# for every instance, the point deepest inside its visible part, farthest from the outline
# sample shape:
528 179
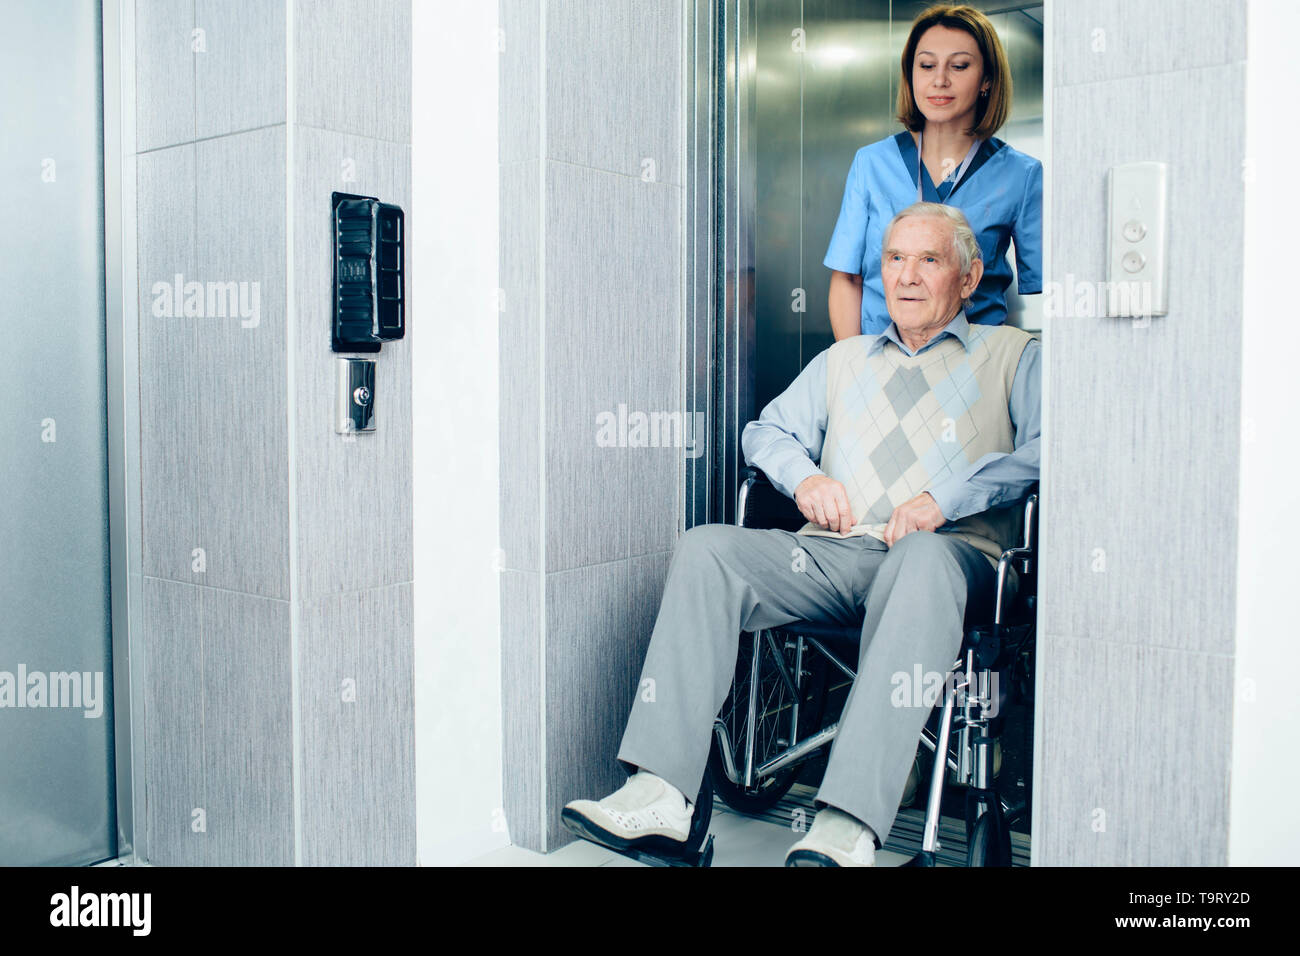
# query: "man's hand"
825 503
917 514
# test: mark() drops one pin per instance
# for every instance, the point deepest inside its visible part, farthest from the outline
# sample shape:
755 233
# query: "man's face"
922 276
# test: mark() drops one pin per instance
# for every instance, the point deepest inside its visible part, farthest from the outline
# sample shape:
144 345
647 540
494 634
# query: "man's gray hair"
964 244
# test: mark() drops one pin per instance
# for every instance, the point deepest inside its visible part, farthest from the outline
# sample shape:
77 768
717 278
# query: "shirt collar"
958 328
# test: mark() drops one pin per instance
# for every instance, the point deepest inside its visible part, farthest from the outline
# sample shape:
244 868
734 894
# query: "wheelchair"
772 723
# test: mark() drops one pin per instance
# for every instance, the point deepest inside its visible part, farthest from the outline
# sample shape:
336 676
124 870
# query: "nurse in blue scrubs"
954 94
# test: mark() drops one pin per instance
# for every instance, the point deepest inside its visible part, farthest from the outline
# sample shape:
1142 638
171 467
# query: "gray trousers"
724 580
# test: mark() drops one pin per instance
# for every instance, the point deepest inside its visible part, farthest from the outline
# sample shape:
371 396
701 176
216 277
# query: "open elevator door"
780 96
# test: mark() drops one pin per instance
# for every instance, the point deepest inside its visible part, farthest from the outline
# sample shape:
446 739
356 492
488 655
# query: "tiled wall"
232 188
1140 490
591 140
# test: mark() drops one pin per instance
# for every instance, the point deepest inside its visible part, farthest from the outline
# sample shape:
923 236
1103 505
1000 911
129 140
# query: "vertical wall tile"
610 351
593 287
655 346
174 690
352 66
599 624
248 729
1180 375
519 114
170 469
614 86
164 73
522 720
1108 39
240 77
647 575
520 367
330 682
1120 783
243 490
358 729
354 506
386 632
591 671
654 103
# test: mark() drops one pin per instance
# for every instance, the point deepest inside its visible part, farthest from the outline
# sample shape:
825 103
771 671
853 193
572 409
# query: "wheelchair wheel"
990 842
772 724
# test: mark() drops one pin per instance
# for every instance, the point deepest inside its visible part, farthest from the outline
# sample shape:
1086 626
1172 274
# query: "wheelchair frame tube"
725 750
844 668
982 775
963 736
799 751
930 840
798 690
751 716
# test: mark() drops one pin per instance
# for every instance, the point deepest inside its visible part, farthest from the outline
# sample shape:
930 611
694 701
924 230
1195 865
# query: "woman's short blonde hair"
990 111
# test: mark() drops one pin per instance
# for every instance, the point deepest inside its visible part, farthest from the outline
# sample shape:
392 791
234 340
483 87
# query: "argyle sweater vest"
897 425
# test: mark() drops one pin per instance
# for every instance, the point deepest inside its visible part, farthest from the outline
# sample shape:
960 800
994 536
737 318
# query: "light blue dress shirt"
786 440
1001 195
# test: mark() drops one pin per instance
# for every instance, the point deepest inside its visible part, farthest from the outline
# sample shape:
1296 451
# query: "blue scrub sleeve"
849 240
1027 231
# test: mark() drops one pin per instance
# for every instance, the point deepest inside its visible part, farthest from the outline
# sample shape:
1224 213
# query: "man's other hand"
825 503
916 514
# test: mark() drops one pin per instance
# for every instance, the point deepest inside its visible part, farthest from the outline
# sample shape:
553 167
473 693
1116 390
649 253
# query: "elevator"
781 94
787 93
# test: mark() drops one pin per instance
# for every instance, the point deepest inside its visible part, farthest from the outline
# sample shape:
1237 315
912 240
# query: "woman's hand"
845 304
824 502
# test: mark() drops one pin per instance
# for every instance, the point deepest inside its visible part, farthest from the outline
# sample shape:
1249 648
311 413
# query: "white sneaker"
645 806
834 839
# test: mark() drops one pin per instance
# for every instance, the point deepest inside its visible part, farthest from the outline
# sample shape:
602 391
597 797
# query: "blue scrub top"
1001 195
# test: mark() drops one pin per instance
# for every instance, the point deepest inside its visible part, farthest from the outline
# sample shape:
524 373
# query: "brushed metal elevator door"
801 85
814 109
56 714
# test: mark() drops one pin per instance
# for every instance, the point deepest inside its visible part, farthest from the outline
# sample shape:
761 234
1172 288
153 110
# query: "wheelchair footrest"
654 852
702 857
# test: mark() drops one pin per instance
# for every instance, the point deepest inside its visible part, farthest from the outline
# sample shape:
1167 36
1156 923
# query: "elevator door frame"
123 378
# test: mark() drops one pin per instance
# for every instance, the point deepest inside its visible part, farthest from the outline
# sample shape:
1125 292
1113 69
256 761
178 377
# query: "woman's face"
947 75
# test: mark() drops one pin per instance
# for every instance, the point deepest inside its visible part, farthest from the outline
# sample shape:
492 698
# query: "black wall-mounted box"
369 259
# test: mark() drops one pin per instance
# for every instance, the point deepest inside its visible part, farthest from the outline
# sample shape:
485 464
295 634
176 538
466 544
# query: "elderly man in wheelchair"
911 455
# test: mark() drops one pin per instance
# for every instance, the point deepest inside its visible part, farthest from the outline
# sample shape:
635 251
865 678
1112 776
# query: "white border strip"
1265 705
123 392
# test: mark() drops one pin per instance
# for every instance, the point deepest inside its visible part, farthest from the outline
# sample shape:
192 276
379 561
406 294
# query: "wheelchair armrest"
1030 542
760 505
1025 555
1031 519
